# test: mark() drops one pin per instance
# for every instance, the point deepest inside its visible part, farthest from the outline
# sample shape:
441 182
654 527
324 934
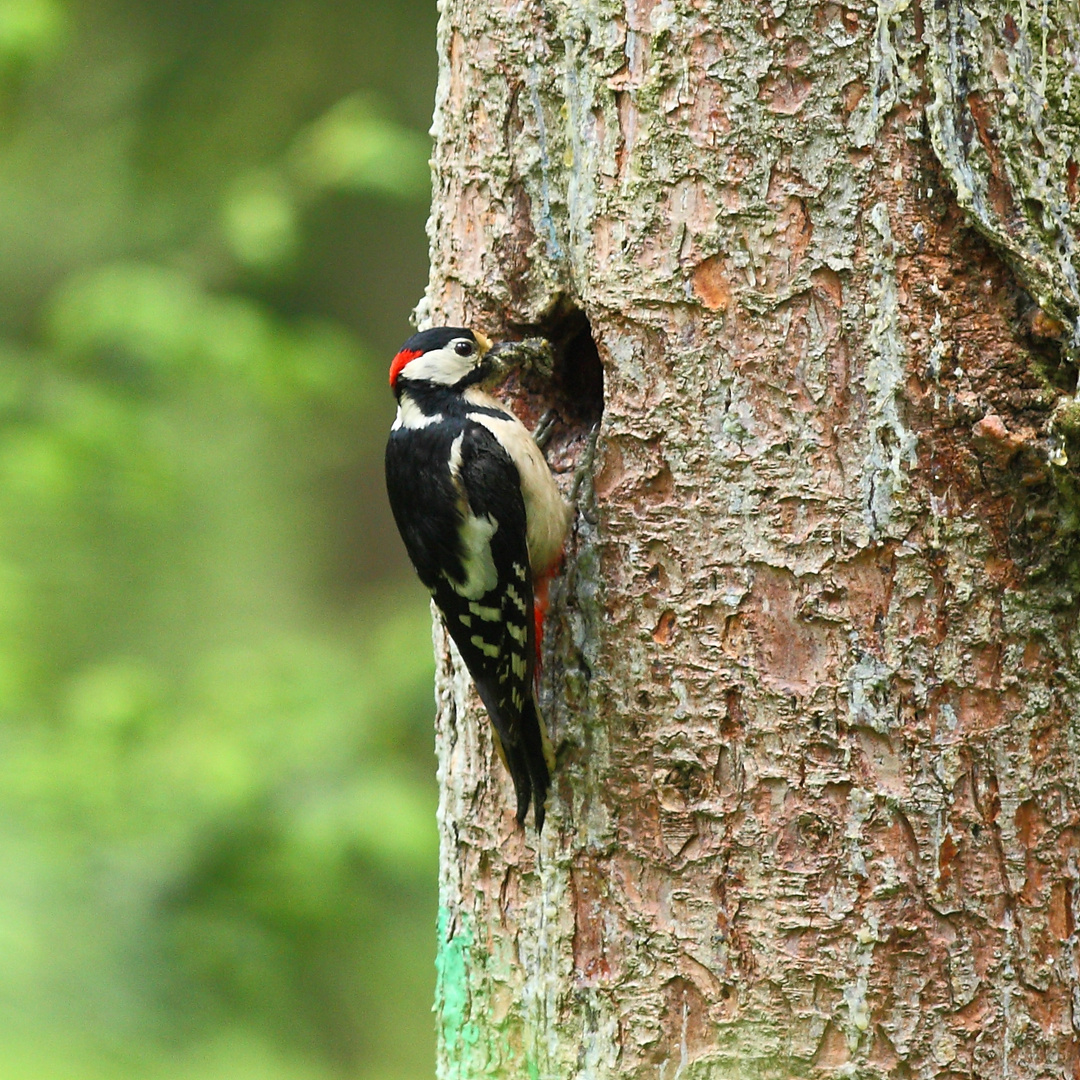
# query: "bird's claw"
545 427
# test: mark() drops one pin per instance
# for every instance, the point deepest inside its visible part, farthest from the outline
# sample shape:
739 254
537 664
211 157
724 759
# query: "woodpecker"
484 524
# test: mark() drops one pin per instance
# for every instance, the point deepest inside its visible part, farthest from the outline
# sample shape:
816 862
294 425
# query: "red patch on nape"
400 361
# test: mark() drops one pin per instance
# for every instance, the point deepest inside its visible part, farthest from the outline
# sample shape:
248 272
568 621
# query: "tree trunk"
811 669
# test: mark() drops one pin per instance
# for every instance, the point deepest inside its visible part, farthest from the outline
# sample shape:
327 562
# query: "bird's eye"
464 348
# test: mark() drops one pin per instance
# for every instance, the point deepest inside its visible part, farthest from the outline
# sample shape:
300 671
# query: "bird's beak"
489 361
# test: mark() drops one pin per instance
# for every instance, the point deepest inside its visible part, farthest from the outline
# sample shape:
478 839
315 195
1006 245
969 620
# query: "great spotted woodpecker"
484 525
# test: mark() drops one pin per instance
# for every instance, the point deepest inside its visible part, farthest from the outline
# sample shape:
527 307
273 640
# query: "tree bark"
812 666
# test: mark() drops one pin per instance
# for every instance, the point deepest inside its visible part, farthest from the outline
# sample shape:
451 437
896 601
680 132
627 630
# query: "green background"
217 797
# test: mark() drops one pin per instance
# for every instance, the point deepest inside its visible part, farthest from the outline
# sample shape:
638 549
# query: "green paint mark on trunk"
457 1032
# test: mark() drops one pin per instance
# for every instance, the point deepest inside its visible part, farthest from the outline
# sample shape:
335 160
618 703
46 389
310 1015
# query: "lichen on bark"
812 664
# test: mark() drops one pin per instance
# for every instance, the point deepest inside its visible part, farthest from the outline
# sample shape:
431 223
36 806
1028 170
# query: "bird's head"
450 357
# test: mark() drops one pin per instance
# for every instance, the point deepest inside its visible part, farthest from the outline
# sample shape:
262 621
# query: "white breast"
547 514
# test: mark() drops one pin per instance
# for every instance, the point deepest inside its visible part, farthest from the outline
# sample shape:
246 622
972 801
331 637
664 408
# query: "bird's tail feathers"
539 759
514 757
526 751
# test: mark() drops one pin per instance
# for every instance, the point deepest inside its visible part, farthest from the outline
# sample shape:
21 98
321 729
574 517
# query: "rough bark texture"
812 667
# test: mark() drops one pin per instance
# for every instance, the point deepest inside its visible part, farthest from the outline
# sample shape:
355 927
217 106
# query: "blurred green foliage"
217 839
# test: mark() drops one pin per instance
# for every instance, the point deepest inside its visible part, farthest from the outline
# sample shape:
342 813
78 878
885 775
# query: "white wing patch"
476 559
476 533
485 647
547 514
516 598
455 457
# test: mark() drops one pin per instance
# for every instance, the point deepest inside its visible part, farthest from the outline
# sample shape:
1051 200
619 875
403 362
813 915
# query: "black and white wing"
477 569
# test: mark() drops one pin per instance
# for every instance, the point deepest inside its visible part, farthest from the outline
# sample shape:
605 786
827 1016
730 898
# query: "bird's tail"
526 752
539 760
512 755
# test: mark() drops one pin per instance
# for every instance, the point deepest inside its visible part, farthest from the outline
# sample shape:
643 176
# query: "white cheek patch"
440 366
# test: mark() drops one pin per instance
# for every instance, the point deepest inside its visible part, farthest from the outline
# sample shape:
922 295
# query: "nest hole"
575 389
